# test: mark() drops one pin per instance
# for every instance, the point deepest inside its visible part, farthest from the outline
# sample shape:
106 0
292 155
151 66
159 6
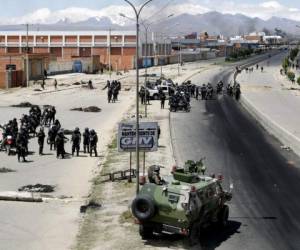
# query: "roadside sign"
148 132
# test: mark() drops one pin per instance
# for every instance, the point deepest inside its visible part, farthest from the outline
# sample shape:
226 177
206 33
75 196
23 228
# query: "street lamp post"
137 14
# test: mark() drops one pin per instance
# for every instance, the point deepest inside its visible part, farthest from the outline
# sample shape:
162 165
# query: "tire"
146 232
155 96
223 217
143 208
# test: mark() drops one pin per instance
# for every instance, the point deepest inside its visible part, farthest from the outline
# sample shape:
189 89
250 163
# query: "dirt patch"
6 170
76 83
38 188
91 109
38 90
23 105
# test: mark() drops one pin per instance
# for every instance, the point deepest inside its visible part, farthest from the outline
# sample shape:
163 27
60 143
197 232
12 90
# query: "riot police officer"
60 144
41 138
86 141
76 139
93 142
21 146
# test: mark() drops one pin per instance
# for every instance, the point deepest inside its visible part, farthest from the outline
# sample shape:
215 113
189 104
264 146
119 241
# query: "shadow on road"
210 238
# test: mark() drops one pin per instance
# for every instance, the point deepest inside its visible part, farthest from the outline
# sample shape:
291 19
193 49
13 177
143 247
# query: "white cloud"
263 10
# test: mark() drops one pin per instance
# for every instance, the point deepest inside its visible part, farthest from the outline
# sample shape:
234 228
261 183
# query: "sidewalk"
266 96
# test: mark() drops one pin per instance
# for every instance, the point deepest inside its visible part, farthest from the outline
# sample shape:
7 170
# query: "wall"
89 64
192 57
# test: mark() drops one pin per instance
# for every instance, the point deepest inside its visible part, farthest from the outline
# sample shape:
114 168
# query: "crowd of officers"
113 90
19 135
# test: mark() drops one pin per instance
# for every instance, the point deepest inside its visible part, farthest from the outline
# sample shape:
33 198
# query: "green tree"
298 80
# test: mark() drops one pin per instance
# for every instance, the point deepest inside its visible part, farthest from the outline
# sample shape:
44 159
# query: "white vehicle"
154 93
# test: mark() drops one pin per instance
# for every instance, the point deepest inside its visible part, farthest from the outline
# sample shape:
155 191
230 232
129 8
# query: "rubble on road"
38 188
90 205
23 105
92 109
6 170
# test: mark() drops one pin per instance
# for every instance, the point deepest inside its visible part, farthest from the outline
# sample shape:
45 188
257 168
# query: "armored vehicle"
182 203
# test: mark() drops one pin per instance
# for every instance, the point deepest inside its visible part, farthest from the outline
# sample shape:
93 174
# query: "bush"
285 64
291 76
298 80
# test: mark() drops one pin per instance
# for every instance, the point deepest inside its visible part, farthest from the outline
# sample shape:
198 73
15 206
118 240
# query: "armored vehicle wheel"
146 232
223 217
143 207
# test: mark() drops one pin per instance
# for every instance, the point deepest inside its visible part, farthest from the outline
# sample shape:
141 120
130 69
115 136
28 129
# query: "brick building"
64 46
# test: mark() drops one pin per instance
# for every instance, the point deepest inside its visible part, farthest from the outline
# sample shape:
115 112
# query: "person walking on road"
76 139
41 138
55 84
93 142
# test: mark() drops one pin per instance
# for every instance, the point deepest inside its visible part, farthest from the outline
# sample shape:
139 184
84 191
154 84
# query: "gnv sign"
148 137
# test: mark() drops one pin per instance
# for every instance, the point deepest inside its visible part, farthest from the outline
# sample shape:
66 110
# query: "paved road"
265 208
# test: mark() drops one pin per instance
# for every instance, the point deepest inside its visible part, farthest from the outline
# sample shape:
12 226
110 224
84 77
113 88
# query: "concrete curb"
283 135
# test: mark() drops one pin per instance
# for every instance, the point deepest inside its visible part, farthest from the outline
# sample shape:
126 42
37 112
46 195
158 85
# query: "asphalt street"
265 207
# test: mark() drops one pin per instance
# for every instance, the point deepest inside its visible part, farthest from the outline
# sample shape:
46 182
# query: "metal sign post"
130 167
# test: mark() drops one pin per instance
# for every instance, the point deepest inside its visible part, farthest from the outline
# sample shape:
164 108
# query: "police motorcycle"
179 102
220 87
209 92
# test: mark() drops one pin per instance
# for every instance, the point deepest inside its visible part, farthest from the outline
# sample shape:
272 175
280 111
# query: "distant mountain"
214 23
226 24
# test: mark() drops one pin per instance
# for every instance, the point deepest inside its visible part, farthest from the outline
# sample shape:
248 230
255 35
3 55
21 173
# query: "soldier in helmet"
76 139
51 137
93 142
154 175
86 141
41 138
21 145
60 144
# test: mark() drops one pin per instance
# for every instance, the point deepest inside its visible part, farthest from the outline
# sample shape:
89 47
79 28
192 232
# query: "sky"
51 11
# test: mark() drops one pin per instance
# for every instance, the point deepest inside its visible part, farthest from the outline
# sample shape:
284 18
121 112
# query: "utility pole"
109 53
137 149
27 56
179 57
146 70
